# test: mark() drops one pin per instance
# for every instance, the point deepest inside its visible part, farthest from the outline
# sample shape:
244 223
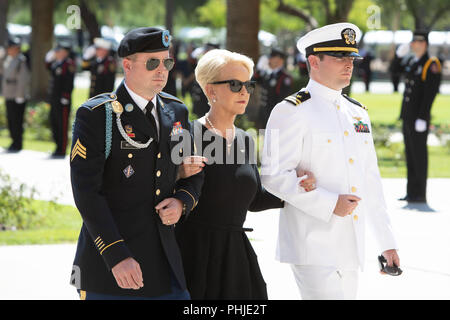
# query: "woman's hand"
191 166
309 183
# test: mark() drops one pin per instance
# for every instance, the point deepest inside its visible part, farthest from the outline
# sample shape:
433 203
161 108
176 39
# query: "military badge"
166 38
361 127
117 107
129 107
129 131
349 35
177 128
78 150
128 171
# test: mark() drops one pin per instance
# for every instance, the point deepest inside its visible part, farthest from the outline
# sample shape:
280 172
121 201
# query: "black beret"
147 39
277 52
66 45
13 42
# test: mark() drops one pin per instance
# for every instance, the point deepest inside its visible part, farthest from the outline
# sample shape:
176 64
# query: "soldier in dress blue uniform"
422 80
124 180
99 60
275 85
62 70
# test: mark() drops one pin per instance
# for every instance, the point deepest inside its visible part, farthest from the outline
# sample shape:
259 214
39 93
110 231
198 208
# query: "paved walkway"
43 271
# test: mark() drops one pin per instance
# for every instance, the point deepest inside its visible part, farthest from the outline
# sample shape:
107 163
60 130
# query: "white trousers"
325 283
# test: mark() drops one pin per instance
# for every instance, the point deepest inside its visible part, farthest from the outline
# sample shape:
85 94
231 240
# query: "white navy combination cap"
339 39
102 43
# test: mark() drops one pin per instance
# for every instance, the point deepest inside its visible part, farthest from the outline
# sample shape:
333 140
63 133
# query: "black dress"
219 261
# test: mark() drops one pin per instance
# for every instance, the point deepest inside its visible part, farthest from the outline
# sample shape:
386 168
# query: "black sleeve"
188 190
86 169
263 199
432 82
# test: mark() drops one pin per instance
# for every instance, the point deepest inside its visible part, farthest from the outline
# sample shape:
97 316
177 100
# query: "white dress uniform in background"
320 130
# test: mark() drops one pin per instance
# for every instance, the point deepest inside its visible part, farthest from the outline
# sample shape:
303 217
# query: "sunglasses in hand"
236 85
390 270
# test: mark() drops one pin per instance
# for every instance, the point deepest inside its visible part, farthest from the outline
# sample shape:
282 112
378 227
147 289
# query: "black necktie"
148 112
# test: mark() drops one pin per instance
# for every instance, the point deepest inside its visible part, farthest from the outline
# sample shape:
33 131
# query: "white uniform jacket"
330 136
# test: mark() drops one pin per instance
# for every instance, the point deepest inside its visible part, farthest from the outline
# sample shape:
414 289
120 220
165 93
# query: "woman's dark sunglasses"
153 63
236 85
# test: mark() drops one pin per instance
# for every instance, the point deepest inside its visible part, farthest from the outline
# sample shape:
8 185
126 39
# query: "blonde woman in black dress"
218 258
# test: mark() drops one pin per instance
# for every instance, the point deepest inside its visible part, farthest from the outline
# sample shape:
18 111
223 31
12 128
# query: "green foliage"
213 13
15 209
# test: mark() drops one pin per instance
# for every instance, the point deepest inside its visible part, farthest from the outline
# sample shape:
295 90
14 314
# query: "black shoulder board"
298 97
354 101
164 95
99 100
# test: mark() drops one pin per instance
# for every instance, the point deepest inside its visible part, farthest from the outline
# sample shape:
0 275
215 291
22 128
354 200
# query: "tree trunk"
90 21
41 43
170 9
243 27
3 21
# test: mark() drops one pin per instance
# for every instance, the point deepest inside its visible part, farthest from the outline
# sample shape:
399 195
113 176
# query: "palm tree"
243 27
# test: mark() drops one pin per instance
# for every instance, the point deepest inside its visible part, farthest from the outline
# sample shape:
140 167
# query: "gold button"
130 155
355 217
158 173
329 140
345 133
159 155
353 189
181 150
158 192
351 160
338 107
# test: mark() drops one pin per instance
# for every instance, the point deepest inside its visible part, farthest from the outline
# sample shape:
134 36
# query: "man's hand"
128 274
346 204
191 166
169 210
392 257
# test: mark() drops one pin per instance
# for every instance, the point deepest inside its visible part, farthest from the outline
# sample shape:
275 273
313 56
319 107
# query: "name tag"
126 146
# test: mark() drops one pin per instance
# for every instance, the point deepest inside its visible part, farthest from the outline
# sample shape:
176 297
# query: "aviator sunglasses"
153 63
236 85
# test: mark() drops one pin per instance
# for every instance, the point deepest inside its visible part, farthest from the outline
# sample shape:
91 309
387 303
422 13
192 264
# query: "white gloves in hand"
50 56
421 125
89 53
20 100
402 50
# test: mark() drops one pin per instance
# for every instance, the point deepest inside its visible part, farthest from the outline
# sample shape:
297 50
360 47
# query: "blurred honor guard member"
321 233
275 85
123 180
423 76
16 77
62 70
102 65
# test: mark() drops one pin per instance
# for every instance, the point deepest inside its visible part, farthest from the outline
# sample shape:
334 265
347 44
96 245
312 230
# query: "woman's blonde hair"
211 64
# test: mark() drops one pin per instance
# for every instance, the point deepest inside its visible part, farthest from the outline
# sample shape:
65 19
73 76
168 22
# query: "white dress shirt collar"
322 91
140 101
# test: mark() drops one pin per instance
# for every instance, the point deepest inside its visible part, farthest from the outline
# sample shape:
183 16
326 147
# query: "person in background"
275 84
422 79
62 72
15 84
99 60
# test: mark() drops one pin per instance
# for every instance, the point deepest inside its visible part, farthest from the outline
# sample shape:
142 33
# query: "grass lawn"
57 224
385 108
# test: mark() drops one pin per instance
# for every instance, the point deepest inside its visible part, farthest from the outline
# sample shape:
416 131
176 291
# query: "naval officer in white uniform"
321 233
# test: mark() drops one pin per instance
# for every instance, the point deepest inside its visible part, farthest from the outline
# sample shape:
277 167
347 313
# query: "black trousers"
59 120
416 152
14 113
